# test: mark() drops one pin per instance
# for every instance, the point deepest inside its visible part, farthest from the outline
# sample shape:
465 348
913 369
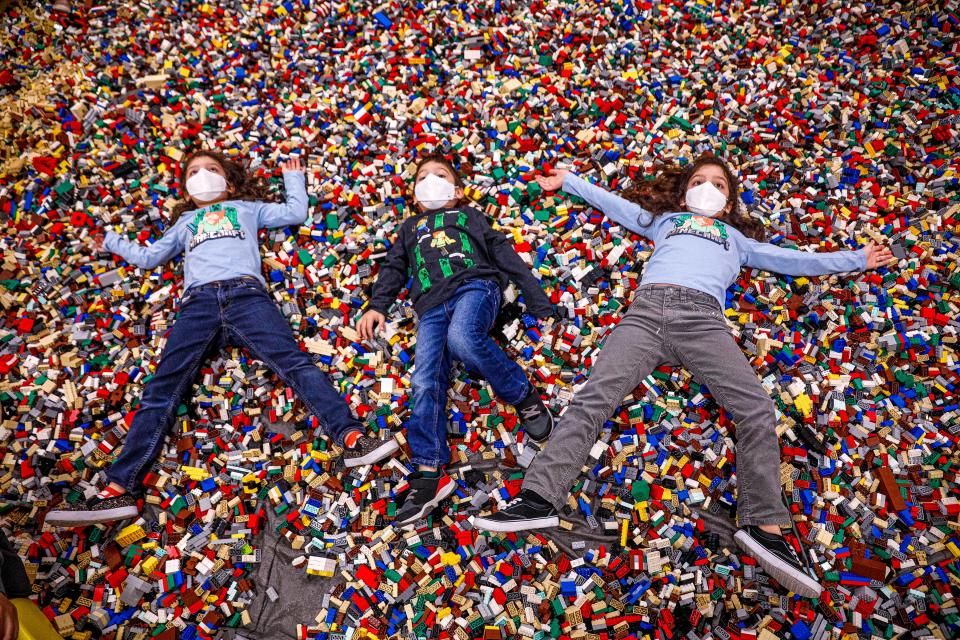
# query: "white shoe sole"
781 571
430 504
388 448
517 525
86 518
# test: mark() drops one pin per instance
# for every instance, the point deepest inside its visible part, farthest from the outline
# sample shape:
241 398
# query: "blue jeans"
227 312
457 329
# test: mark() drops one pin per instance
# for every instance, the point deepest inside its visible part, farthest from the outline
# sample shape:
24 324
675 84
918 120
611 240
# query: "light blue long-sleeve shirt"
702 253
218 241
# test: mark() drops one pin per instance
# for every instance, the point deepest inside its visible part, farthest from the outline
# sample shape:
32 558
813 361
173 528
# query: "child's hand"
554 181
879 256
293 164
371 323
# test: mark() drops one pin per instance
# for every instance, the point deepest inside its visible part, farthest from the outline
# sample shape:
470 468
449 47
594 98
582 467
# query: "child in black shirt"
459 266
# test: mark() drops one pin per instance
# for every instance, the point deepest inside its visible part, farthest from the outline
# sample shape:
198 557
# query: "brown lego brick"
890 488
869 568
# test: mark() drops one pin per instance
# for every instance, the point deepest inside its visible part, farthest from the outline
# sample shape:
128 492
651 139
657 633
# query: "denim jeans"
675 326
457 329
227 312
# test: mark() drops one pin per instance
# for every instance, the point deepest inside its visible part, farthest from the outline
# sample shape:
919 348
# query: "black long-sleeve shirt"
14 582
442 249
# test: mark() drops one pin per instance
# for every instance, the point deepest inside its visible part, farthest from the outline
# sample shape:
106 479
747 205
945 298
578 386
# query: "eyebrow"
700 175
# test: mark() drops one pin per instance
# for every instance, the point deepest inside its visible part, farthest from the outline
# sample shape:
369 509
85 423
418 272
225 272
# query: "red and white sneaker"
423 496
106 506
367 450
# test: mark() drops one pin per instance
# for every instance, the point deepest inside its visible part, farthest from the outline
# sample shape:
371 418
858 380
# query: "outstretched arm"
294 210
622 211
793 262
145 257
393 274
392 277
505 257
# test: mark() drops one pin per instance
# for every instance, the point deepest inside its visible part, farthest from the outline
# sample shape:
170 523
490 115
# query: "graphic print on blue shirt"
701 226
435 241
211 223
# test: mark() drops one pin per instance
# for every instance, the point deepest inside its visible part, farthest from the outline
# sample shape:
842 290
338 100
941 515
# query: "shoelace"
791 551
513 501
793 554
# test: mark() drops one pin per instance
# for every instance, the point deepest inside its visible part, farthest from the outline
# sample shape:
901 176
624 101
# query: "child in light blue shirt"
704 252
676 319
225 303
219 240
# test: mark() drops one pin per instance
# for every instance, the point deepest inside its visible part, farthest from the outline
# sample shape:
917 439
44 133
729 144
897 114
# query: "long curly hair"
663 194
244 185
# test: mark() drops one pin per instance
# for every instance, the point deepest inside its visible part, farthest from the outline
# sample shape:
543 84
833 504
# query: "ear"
458 193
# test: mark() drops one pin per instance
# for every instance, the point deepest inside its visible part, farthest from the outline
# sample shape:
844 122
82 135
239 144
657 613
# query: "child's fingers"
545 183
293 164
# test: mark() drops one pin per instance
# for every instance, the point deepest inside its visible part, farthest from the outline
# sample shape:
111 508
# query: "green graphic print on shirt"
213 222
701 226
442 238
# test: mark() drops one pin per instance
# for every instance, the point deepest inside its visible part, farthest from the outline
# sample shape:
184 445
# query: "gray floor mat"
300 594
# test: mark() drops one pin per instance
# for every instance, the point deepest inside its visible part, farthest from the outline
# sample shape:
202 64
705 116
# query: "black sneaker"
778 559
536 419
94 511
527 511
424 494
369 450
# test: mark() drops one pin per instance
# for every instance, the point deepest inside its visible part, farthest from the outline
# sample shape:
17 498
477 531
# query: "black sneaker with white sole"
423 496
535 417
527 511
368 451
93 511
778 559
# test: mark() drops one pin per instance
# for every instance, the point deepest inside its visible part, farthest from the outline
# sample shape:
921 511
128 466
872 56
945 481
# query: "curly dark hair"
663 194
243 184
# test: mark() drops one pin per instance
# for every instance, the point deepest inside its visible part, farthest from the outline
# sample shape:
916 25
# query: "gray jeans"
671 325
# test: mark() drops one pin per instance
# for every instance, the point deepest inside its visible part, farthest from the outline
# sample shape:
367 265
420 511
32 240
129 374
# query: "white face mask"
705 199
433 192
206 186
